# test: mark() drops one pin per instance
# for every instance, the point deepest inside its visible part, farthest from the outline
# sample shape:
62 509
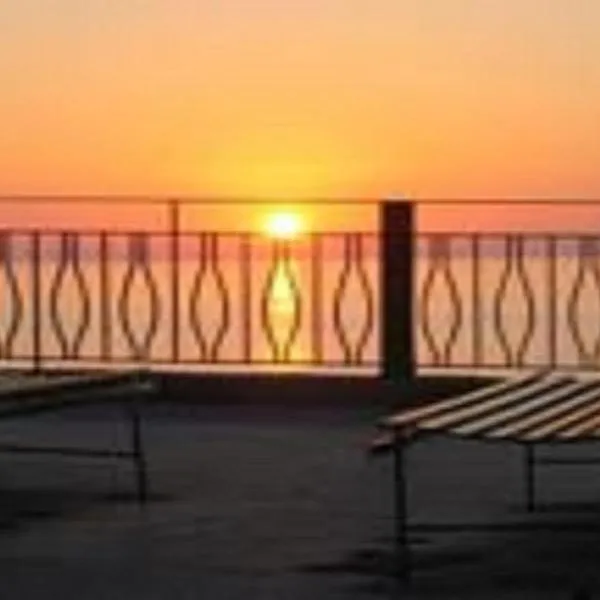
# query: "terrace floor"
266 501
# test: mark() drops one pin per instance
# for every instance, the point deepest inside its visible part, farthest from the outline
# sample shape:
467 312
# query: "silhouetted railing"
510 300
506 284
427 287
183 296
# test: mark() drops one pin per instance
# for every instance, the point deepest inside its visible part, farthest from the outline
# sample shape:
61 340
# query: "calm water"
506 324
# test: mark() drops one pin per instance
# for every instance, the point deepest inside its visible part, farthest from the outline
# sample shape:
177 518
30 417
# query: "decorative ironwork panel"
587 276
281 304
139 272
514 273
69 275
11 297
353 273
440 273
209 274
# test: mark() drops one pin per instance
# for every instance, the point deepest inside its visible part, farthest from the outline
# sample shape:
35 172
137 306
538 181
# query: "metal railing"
181 296
437 284
508 284
510 300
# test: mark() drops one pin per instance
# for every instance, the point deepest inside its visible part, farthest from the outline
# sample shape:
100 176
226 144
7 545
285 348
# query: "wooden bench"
31 393
539 408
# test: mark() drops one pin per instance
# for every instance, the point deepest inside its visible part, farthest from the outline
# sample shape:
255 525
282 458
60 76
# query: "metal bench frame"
542 408
29 394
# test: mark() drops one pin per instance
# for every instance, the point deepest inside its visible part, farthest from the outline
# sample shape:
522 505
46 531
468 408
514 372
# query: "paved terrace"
277 500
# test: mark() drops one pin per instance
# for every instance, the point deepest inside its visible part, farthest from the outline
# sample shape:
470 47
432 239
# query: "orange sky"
267 98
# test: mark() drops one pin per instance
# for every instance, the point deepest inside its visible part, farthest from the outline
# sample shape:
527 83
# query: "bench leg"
402 554
139 456
529 451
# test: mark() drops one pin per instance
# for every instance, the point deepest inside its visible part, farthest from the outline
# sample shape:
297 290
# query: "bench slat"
586 427
507 418
495 403
543 421
413 415
561 421
537 407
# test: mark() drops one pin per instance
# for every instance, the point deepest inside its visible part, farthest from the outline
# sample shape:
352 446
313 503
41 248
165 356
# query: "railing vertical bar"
36 301
246 299
105 316
174 238
478 358
552 305
317 298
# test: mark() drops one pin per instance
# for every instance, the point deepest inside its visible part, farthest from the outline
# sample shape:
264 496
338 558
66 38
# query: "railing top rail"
504 201
183 232
183 200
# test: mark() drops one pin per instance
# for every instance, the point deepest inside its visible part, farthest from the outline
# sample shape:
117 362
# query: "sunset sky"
272 98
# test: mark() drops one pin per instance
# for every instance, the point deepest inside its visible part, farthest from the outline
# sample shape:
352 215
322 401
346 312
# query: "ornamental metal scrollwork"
208 270
440 258
353 270
69 265
588 270
281 304
514 269
12 294
138 269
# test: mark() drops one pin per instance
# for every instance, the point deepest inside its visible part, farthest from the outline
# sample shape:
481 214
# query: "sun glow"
284 225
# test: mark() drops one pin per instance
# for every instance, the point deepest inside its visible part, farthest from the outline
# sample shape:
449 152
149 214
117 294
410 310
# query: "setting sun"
284 225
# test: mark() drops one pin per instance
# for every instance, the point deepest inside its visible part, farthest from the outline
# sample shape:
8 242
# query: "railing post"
397 256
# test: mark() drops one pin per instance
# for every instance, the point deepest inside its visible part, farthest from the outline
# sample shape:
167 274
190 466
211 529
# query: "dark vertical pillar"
397 254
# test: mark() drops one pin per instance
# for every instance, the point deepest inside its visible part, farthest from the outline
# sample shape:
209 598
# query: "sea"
298 311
